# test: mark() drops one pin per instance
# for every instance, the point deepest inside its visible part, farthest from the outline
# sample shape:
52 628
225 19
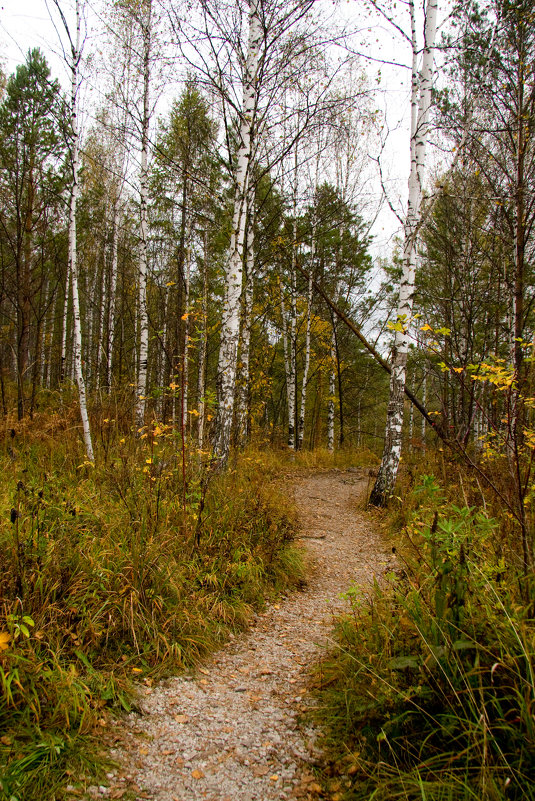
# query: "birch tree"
75 47
252 54
230 326
144 19
421 85
242 407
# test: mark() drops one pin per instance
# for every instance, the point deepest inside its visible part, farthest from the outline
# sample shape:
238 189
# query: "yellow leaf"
5 638
197 774
426 328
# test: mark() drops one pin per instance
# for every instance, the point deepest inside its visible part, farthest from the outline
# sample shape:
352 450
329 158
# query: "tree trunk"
420 104
143 321
332 394
203 344
185 356
242 411
306 367
72 243
230 326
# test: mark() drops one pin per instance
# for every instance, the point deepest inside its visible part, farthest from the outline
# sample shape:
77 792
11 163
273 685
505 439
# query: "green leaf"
463 645
403 663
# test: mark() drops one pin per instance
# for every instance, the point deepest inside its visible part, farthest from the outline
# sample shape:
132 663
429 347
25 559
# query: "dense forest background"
158 200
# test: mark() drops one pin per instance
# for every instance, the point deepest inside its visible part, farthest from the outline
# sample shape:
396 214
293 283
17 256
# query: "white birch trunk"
230 326
185 358
203 342
286 352
143 321
332 394
164 350
112 295
73 269
306 367
292 343
242 410
420 105
100 328
65 322
117 212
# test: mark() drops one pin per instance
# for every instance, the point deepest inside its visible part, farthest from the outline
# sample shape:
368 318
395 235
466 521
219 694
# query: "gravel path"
232 732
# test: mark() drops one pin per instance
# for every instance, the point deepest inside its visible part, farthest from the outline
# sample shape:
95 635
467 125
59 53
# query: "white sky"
24 24
27 23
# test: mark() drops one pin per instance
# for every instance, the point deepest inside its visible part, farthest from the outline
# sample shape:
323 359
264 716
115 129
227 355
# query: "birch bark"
230 327
73 267
421 85
242 411
112 293
64 328
203 344
143 322
185 357
306 367
332 394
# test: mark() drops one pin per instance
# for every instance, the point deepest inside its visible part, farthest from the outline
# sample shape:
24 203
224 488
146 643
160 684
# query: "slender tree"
75 47
421 86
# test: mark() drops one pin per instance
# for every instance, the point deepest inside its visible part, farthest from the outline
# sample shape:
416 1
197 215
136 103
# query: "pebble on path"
234 731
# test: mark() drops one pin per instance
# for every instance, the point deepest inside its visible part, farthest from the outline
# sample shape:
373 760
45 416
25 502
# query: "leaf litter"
236 730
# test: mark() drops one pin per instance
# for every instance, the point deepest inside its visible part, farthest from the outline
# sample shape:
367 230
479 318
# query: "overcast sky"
27 23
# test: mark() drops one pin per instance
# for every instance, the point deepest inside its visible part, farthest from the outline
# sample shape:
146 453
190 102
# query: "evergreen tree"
32 177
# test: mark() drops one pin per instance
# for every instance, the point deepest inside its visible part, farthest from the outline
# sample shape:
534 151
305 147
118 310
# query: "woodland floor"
235 731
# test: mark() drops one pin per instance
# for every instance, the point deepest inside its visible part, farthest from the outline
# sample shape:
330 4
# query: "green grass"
431 694
115 573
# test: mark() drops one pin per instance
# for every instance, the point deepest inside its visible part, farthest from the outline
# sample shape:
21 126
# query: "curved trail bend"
232 732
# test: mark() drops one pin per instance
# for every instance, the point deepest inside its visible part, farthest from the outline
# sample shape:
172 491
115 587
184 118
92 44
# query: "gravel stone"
240 735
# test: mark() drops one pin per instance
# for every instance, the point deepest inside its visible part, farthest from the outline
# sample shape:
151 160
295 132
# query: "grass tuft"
127 570
431 692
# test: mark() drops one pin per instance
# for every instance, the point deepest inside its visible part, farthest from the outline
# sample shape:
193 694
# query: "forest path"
232 732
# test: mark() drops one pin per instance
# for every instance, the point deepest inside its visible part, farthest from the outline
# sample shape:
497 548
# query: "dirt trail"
233 732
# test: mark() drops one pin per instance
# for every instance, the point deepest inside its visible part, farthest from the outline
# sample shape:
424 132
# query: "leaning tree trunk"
230 326
420 104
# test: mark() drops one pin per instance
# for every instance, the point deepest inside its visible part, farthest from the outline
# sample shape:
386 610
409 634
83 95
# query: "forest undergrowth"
120 572
430 693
